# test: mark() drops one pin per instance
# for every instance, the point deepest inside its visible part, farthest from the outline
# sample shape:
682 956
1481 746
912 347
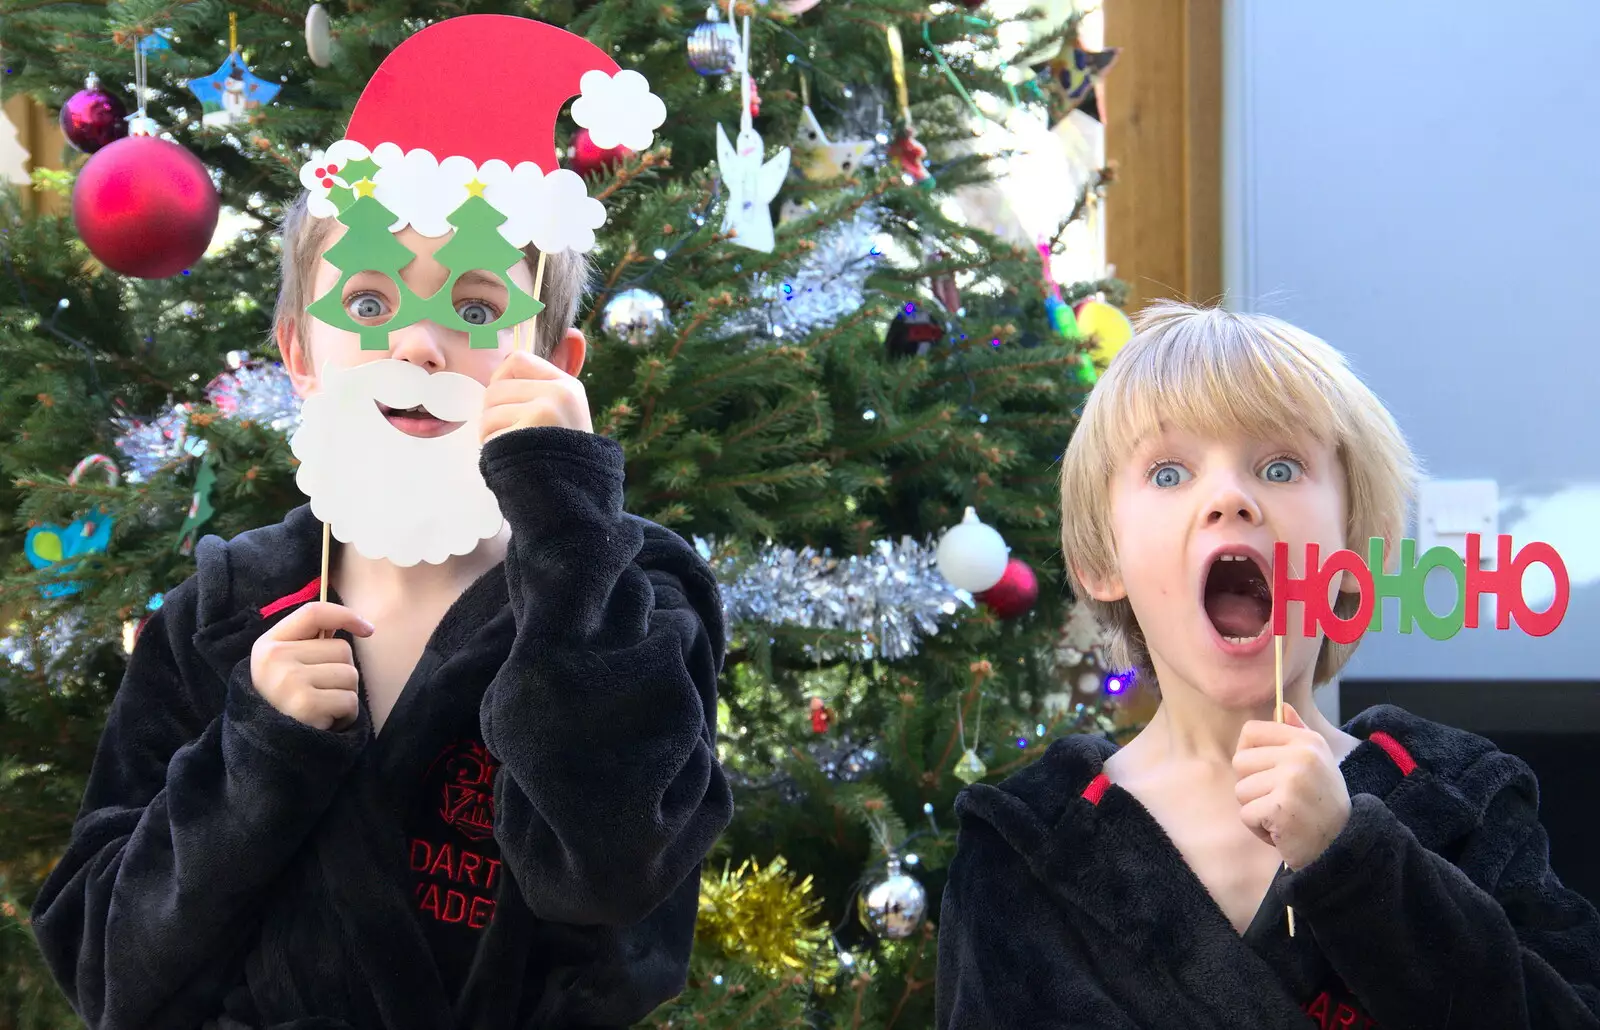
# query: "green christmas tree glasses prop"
369 246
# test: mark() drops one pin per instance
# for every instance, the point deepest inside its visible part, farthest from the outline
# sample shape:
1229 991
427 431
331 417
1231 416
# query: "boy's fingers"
521 364
1292 717
333 677
310 620
1261 733
1252 760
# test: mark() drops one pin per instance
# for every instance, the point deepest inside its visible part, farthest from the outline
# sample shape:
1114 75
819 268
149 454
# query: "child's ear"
570 352
1107 587
295 359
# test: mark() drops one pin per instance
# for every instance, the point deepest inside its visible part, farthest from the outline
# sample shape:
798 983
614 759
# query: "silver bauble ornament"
893 906
634 315
714 46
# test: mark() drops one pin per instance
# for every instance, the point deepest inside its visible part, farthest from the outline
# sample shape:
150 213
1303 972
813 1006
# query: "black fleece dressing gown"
518 848
1068 906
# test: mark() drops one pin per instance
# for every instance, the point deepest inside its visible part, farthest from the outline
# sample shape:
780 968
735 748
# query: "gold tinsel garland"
761 916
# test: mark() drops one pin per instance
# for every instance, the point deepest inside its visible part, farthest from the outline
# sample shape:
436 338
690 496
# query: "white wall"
1419 183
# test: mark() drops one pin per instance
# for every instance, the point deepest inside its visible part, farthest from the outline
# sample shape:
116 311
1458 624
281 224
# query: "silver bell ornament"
894 905
714 46
634 315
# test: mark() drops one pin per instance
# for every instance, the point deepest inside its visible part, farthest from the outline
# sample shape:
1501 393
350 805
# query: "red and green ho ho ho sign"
1405 584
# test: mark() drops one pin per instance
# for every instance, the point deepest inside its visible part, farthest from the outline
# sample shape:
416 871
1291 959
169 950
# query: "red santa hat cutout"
415 121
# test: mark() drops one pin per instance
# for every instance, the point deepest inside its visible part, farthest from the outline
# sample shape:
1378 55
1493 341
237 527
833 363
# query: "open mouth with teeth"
418 421
1238 598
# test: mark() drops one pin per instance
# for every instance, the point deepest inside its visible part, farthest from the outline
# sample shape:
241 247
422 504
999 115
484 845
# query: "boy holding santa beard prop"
458 768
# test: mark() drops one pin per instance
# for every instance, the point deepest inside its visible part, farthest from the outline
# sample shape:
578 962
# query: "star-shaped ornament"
230 93
818 159
753 184
1074 70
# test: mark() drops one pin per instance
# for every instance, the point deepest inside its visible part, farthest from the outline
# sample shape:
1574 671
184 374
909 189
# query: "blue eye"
1169 474
1282 470
476 312
366 306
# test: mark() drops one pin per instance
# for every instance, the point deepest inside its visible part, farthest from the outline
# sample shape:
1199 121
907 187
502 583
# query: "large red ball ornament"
93 118
588 159
145 207
1016 592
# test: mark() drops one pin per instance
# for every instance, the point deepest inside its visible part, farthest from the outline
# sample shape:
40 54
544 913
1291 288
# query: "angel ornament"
753 183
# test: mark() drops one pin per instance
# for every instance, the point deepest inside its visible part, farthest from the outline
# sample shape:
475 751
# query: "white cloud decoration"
419 188
618 110
319 182
558 214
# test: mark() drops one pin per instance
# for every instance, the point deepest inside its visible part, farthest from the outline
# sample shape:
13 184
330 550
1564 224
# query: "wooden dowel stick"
1277 656
538 288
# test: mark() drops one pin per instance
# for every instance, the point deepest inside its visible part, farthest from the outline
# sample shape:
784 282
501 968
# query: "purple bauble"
93 118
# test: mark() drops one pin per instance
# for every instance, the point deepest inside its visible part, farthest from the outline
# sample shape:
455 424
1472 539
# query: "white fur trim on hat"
554 212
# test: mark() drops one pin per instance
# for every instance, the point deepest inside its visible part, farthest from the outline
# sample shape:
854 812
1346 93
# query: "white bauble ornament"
972 555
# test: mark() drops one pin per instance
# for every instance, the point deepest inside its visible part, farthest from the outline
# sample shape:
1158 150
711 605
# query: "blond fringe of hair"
303 238
1216 373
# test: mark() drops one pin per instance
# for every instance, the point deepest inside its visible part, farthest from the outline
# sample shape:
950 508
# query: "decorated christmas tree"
818 359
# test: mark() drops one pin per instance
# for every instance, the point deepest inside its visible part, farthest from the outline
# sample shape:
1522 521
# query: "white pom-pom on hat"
618 110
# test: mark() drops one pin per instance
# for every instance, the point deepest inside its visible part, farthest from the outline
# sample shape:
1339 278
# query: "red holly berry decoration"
1016 592
588 159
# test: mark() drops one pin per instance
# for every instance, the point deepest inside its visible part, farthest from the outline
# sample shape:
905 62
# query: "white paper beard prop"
388 494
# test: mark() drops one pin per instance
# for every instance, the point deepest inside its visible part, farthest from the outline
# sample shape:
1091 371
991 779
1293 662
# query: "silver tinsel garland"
829 284
884 602
258 392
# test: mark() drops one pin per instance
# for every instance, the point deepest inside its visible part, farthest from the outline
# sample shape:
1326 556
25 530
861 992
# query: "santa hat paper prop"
418 154
424 151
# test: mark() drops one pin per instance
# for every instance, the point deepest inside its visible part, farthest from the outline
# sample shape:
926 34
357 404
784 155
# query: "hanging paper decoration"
1074 71
156 42
93 117
230 93
818 159
13 155
753 181
973 555
55 547
200 509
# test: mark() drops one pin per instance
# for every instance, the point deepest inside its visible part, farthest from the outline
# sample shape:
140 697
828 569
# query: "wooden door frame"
1163 113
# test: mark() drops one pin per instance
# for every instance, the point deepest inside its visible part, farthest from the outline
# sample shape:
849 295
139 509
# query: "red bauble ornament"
588 159
93 118
145 207
1016 592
